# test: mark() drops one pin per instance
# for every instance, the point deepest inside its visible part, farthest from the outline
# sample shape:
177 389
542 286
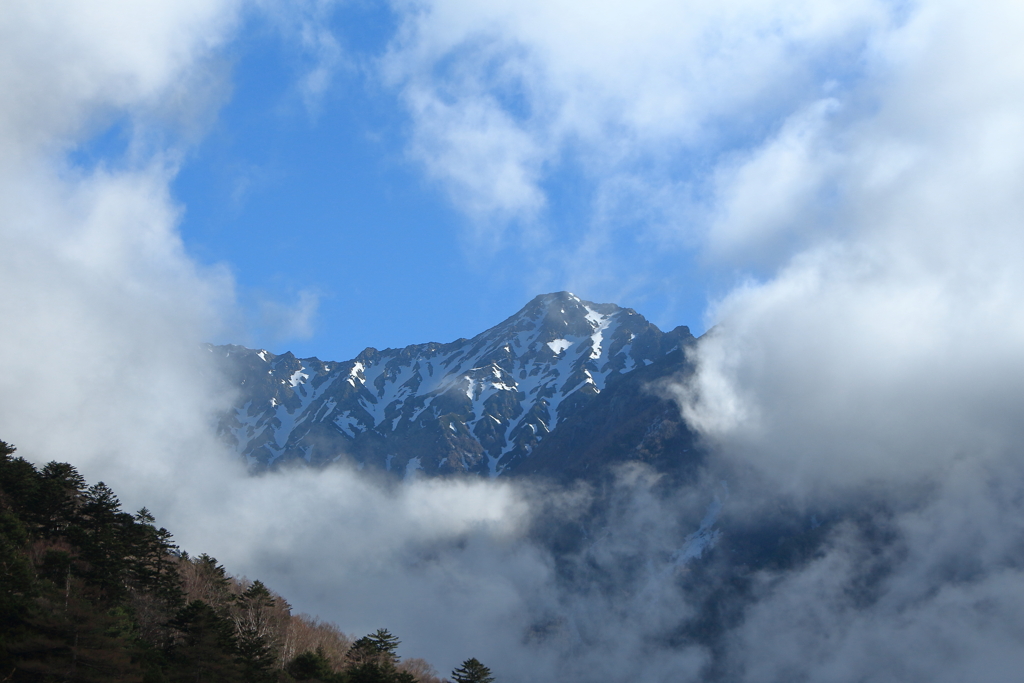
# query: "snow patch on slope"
559 345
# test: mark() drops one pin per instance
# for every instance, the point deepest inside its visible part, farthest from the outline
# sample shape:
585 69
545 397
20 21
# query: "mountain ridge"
480 405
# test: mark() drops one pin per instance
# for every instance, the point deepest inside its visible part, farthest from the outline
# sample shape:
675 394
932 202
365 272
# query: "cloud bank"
881 360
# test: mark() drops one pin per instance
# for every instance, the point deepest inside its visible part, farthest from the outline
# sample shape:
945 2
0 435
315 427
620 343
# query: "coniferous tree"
385 642
59 495
373 659
206 648
75 634
311 665
254 628
151 563
202 578
16 584
101 599
18 480
472 671
101 534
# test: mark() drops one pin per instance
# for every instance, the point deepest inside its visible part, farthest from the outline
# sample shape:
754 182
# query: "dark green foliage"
377 647
472 671
73 634
206 647
60 489
373 659
384 642
16 584
18 480
103 533
204 579
151 566
92 594
312 666
96 601
378 673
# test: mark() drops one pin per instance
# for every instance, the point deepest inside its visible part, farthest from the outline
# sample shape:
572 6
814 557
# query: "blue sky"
317 202
392 173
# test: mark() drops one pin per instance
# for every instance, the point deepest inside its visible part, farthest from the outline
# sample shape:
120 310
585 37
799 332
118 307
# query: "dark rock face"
562 371
632 420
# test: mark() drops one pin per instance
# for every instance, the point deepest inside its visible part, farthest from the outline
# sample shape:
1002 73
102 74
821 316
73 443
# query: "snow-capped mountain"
473 405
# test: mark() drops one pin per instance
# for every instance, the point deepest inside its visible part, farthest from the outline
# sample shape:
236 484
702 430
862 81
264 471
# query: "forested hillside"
89 592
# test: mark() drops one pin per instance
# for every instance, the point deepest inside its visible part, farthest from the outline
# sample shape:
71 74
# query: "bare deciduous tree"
305 634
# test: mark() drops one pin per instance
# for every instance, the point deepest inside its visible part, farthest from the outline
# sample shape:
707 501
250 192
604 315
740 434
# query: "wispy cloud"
280 322
306 25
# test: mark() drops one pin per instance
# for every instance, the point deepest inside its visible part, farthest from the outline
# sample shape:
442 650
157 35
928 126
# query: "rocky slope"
481 405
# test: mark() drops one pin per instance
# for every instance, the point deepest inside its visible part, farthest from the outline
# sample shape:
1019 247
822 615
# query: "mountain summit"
473 405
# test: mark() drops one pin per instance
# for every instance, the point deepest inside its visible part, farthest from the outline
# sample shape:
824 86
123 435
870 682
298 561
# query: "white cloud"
488 163
896 333
99 300
620 86
775 192
881 361
69 64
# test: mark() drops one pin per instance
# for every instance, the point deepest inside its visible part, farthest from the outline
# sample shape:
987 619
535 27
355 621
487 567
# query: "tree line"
91 593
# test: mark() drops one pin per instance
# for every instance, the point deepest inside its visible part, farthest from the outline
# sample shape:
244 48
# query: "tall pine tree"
253 624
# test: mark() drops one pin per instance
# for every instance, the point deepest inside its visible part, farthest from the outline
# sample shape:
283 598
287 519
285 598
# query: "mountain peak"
554 298
480 404
557 315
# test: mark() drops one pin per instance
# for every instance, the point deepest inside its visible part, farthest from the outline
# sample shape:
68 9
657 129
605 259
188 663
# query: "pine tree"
101 533
311 666
75 634
384 642
373 659
60 494
151 564
256 647
472 671
376 648
206 649
19 481
16 584
204 579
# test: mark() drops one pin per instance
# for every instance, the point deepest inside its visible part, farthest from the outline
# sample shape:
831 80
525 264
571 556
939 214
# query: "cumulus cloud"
889 345
100 301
